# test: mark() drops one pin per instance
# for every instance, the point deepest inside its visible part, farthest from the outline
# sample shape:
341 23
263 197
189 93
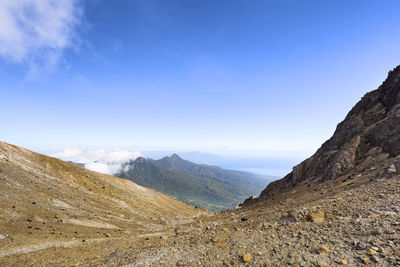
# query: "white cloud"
108 162
37 31
69 153
106 168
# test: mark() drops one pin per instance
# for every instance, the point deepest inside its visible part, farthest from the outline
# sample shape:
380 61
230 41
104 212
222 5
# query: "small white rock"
3 236
392 169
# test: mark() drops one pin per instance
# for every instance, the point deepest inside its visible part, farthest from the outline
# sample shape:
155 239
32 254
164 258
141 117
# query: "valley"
339 207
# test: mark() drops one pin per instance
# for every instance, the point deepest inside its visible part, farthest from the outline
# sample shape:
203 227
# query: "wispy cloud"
104 161
36 32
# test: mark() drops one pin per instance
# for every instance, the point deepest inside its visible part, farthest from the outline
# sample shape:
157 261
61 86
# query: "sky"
240 79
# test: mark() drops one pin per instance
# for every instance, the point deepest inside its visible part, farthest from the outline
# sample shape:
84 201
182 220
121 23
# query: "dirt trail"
70 244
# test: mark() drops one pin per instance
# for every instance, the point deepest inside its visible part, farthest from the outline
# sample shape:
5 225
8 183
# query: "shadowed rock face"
369 137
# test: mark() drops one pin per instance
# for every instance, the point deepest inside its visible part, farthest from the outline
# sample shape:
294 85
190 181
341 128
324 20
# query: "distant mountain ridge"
177 163
195 184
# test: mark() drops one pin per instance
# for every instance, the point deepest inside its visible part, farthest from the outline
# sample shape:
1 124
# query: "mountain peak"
395 73
175 156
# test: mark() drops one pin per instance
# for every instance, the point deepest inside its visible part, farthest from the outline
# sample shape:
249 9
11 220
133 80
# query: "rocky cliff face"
367 140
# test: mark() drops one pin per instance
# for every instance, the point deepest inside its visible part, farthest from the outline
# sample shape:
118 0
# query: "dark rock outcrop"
368 138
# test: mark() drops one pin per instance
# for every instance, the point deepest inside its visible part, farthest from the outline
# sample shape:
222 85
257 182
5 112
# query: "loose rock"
316 217
323 249
247 257
366 260
3 236
392 169
361 246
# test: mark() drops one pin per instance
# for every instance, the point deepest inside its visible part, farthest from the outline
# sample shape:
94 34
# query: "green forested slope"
214 190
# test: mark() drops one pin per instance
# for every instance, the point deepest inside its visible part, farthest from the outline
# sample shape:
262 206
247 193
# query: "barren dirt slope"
48 206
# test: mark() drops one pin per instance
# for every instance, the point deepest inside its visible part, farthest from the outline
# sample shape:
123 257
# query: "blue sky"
256 79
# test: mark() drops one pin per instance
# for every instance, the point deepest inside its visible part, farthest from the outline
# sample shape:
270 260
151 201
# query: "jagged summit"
368 139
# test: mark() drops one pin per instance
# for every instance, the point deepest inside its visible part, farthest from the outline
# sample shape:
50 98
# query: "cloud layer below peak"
108 162
38 30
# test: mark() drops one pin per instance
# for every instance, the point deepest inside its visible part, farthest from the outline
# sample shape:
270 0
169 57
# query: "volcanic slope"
58 213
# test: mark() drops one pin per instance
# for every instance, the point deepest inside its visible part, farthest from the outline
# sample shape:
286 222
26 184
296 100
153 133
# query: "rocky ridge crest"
367 140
